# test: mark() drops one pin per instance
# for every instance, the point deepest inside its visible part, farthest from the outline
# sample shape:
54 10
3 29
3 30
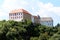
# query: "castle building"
36 19
48 21
21 15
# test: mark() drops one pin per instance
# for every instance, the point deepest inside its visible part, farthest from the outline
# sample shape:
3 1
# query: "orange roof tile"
20 10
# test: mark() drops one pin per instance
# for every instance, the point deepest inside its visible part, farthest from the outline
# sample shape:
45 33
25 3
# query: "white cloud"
14 4
2 15
56 10
34 6
49 10
9 5
46 9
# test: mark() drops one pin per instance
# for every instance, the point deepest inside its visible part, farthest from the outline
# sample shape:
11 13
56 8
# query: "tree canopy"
13 30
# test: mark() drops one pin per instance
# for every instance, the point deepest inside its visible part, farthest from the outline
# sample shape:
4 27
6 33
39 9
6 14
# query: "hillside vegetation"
13 30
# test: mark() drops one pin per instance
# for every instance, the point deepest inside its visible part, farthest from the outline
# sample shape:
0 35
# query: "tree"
58 25
13 30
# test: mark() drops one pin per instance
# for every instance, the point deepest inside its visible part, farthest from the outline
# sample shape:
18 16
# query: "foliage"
13 30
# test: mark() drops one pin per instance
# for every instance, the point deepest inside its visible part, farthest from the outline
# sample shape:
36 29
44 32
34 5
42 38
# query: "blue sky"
55 2
44 8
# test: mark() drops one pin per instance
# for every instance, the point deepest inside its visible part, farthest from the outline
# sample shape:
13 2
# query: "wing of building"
21 14
48 21
36 19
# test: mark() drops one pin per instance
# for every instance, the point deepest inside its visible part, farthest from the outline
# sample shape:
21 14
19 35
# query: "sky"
44 8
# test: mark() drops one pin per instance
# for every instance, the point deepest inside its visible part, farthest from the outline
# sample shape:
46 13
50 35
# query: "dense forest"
13 30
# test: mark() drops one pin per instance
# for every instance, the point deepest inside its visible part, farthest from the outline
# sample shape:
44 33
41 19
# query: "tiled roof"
46 19
35 16
20 10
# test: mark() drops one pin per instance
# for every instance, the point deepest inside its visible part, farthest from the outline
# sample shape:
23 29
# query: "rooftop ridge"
20 10
46 19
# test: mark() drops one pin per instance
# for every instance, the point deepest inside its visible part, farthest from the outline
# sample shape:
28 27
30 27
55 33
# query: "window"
15 14
21 13
21 16
47 21
50 24
15 17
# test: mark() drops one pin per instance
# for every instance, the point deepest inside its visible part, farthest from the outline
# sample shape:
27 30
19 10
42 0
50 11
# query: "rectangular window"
21 13
15 14
15 17
21 16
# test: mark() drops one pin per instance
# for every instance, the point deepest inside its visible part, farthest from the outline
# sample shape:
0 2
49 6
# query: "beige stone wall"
26 16
36 20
